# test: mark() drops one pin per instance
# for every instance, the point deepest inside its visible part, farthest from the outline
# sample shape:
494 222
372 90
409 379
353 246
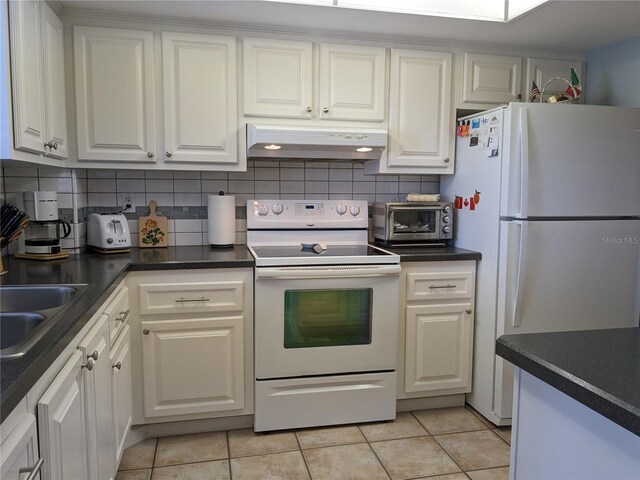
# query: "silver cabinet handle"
325 109
185 300
150 154
94 355
519 96
446 160
124 316
168 154
88 365
117 366
469 311
32 471
48 144
434 287
309 109
146 331
55 146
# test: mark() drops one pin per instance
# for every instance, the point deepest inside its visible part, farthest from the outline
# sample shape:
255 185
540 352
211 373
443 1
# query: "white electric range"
325 317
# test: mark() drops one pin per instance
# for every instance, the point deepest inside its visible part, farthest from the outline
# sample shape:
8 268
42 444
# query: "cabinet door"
27 76
62 424
20 451
95 350
541 70
54 96
193 366
352 82
200 98
491 79
115 94
121 407
420 133
278 78
438 348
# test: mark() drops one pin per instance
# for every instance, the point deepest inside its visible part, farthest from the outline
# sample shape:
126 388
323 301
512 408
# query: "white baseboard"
444 401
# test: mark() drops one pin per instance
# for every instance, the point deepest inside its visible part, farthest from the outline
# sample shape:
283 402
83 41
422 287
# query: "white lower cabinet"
121 412
192 344
19 453
436 328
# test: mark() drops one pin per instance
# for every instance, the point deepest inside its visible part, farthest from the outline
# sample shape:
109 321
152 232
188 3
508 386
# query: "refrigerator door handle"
522 264
524 163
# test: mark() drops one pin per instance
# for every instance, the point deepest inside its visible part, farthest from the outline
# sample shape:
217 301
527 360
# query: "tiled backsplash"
182 196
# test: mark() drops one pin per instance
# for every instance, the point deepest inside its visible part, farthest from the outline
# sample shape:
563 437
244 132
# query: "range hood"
270 141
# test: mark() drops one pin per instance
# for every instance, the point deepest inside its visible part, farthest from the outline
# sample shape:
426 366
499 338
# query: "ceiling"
562 25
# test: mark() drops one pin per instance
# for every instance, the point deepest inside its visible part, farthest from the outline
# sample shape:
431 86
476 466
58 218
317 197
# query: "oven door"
414 223
319 320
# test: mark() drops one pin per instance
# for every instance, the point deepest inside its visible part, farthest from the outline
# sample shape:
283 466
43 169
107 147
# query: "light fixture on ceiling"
272 147
487 10
364 149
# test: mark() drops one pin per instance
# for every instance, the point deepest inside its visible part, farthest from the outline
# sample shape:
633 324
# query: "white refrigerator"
557 220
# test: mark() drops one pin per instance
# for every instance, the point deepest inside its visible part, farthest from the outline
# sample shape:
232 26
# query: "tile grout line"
374 453
226 436
304 459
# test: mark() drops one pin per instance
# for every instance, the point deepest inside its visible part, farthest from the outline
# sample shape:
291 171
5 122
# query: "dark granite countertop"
598 368
103 273
432 254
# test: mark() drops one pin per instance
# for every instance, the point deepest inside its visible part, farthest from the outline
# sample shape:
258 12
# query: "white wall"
613 74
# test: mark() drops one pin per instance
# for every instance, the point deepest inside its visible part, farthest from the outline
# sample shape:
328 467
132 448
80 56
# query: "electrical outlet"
128 202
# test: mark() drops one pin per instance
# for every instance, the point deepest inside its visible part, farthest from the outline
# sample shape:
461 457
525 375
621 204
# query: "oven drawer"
190 297
439 285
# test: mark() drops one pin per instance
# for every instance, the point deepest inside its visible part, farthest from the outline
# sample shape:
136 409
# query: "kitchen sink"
27 312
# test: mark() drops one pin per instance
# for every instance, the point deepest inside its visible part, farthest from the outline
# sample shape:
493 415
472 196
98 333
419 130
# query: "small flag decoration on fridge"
535 91
575 85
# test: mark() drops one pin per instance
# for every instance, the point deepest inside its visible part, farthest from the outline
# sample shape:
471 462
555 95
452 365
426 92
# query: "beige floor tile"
144 474
450 476
218 470
479 416
501 473
346 462
476 450
245 442
327 437
198 447
505 433
414 457
139 455
276 466
405 425
449 420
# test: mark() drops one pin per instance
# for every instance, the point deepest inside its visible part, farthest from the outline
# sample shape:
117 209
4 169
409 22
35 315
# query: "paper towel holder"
221 220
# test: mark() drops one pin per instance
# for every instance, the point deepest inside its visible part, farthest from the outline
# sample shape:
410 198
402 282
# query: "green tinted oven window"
327 318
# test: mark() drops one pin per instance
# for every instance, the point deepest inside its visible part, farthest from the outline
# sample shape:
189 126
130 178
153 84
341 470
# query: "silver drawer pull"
124 316
94 355
185 300
117 366
32 471
433 287
88 365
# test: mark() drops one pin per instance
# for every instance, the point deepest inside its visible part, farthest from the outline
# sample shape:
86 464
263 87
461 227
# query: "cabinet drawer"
118 313
439 285
194 297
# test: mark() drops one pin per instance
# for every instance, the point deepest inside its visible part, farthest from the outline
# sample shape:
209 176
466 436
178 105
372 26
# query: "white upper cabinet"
115 94
278 78
541 70
37 68
491 79
420 130
200 98
352 82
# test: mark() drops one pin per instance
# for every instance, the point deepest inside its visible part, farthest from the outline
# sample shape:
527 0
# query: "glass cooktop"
334 254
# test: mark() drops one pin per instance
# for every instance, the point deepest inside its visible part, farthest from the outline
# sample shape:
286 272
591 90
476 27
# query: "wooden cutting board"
152 230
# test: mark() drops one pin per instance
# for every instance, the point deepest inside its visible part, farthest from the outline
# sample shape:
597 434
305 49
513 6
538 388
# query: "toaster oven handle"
413 207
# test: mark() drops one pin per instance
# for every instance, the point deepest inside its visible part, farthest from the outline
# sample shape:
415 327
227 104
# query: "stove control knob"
277 208
263 210
109 240
341 209
446 219
446 209
446 229
355 210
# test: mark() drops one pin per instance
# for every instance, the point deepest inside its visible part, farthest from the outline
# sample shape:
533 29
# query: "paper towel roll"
222 220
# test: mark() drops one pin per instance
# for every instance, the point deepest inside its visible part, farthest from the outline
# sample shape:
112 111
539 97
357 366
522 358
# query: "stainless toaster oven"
412 222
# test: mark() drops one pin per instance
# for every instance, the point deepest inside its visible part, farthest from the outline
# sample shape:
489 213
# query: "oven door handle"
347 271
